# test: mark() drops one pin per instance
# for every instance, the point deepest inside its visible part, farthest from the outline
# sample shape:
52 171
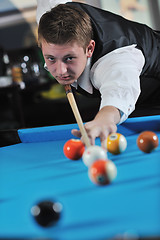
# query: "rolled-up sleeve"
116 76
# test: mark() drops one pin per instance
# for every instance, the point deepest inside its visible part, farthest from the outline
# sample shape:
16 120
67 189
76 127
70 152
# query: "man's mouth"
65 79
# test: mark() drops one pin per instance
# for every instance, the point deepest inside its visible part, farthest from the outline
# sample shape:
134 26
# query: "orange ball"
147 141
74 149
116 143
102 172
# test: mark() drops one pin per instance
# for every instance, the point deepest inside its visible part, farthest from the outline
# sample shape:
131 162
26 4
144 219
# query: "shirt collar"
84 80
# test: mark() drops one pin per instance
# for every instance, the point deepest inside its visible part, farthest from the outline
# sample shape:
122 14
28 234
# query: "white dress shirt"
115 75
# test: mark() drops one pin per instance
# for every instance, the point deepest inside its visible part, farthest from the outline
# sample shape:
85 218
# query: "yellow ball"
116 143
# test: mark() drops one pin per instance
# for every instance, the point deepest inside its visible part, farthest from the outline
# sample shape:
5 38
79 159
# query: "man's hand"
103 124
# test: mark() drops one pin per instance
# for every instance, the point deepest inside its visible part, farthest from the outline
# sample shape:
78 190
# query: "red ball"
74 149
147 141
102 172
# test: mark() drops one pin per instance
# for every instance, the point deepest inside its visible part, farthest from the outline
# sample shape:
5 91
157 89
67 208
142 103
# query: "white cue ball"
93 153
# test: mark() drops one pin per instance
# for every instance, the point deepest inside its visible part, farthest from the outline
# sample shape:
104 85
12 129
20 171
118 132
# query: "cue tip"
68 89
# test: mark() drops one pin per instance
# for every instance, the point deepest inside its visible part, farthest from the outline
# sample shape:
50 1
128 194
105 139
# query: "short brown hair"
63 24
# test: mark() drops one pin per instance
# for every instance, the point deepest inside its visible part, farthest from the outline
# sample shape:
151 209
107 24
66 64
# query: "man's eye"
68 59
51 59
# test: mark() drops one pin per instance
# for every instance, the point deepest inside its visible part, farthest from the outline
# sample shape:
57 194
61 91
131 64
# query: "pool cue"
76 113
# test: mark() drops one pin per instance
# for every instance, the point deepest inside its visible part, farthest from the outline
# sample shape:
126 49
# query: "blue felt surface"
33 171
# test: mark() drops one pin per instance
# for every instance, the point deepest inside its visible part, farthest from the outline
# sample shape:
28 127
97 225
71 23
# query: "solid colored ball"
116 143
46 213
102 172
73 149
147 141
92 153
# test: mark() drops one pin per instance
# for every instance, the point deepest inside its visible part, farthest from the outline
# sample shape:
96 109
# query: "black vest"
112 31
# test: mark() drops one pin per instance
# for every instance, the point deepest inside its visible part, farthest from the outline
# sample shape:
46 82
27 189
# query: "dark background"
36 104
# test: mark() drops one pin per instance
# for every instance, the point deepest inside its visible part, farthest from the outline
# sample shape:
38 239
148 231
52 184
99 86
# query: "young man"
98 52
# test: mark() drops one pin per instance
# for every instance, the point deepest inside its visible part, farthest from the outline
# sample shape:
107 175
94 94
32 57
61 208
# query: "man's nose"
61 68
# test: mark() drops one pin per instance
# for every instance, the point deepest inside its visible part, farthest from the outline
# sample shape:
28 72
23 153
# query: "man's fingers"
76 133
104 143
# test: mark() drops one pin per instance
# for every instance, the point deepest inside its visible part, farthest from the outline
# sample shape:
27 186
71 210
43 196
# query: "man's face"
66 62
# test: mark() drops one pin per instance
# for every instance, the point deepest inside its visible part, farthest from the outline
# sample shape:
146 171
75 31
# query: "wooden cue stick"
76 113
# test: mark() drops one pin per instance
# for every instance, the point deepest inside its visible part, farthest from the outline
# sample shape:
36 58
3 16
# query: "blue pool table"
36 169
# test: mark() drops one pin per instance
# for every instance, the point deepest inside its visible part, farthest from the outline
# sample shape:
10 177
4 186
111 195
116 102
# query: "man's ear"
90 48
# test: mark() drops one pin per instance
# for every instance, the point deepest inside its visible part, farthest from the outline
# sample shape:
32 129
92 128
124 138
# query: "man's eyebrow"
69 54
48 55
65 56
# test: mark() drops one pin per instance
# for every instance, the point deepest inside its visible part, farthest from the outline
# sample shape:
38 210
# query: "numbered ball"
46 213
116 143
74 149
147 141
92 153
102 172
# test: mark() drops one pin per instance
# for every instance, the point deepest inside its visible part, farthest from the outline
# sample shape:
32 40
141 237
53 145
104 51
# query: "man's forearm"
108 114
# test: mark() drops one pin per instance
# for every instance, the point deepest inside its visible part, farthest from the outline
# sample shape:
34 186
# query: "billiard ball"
116 143
73 149
102 172
92 153
46 213
147 141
